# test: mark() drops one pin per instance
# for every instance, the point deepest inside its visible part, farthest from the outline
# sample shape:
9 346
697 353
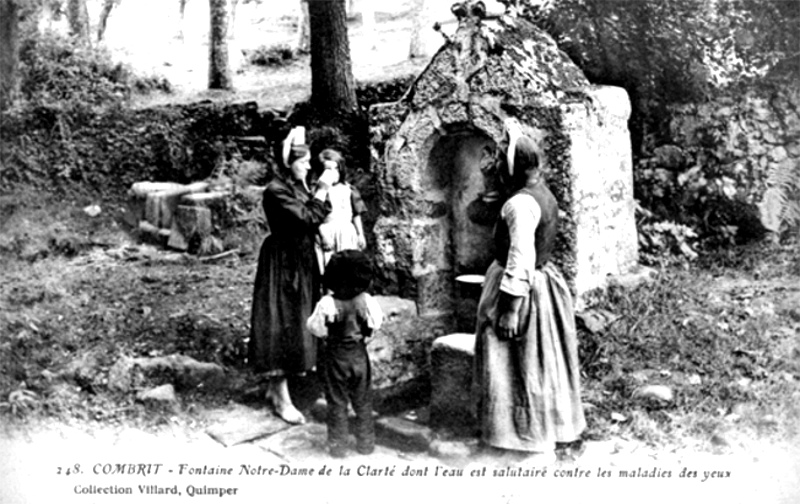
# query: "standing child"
342 228
345 319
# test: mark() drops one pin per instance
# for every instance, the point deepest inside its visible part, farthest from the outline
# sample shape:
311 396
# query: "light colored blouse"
521 214
327 311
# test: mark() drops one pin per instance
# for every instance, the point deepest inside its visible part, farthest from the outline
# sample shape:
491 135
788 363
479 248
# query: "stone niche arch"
454 169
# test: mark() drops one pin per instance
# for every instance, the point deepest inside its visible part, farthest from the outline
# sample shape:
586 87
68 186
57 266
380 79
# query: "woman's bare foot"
278 396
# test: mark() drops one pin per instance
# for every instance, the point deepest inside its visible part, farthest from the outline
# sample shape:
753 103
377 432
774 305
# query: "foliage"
666 52
271 56
57 72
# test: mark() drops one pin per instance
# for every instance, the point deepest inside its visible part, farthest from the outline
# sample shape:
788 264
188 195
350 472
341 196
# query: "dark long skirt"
286 288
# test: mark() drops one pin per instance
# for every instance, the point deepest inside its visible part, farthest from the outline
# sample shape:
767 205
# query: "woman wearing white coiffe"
526 352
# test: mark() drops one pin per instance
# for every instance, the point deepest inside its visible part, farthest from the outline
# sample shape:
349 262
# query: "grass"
722 335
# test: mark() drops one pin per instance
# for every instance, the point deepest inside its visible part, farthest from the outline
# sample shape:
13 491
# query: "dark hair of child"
336 157
348 274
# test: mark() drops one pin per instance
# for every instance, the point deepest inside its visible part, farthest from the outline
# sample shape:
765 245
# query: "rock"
451 449
123 375
658 392
618 417
452 396
403 434
83 370
595 320
636 277
670 157
719 440
778 154
184 372
694 379
92 210
161 397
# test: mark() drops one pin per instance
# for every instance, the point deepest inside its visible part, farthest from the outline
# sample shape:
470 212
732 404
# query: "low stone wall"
742 146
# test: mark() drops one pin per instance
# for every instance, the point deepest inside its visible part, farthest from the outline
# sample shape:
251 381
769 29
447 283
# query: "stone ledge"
403 434
452 390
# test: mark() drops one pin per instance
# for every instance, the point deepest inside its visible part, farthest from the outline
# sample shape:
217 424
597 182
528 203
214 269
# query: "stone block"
193 221
399 350
403 434
150 233
453 397
152 210
176 239
435 293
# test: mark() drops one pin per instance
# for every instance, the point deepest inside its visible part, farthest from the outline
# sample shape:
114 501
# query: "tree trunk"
232 19
9 52
219 75
418 23
182 20
78 17
303 29
369 27
108 5
333 89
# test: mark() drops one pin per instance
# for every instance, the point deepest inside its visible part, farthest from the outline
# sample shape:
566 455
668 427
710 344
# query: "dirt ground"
78 293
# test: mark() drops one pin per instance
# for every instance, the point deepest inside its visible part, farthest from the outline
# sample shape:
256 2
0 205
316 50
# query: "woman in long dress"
288 282
526 350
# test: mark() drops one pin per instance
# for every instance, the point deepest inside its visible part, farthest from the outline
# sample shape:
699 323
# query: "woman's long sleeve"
294 213
521 214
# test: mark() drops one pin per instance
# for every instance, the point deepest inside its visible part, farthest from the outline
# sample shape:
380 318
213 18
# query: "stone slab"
243 426
298 441
204 198
453 397
403 434
142 189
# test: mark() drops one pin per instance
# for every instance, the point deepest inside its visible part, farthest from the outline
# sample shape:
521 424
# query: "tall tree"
9 51
219 74
78 16
419 20
182 20
303 29
333 91
232 19
105 12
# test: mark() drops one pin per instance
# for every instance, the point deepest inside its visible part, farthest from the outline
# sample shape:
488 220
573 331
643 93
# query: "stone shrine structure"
433 155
